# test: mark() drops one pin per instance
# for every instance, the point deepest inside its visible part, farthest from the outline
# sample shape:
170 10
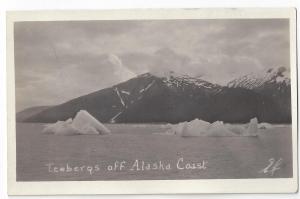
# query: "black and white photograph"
153 99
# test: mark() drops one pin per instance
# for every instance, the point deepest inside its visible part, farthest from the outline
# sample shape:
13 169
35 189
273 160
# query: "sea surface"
141 152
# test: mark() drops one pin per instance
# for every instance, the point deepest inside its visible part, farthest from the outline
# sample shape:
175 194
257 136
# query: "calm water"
94 157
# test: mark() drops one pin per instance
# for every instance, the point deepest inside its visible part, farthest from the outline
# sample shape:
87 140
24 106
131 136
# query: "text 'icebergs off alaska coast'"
83 123
202 128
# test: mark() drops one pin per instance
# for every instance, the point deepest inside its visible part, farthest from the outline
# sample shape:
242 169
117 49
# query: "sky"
60 60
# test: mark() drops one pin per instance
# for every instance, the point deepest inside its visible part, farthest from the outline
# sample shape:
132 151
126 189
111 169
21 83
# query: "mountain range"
148 98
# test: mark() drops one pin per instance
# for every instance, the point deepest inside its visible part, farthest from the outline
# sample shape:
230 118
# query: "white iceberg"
83 123
219 129
180 128
252 128
58 127
87 124
264 125
236 129
198 127
61 128
195 128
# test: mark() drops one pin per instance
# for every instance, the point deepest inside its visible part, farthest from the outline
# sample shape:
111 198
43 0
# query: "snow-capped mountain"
175 98
279 76
160 99
272 84
183 81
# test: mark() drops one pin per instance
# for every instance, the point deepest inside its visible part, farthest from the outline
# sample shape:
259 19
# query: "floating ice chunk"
89 130
195 128
83 120
66 129
176 129
238 130
69 121
264 125
219 129
252 128
171 130
83 123
50 128
202 128
61 128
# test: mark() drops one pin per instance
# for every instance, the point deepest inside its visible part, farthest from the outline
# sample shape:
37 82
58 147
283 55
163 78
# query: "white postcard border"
271 185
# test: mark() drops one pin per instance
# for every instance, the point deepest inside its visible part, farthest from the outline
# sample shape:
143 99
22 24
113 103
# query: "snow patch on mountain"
113 119
125 92
179 81
149 85
128 97
255 80
121 99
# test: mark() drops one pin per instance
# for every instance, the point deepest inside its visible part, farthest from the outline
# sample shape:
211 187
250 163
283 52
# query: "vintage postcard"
152 101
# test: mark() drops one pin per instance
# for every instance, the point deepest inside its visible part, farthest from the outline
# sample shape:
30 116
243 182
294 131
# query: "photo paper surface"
155 101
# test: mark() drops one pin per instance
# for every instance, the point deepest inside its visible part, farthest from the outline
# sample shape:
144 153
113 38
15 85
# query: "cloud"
57 61
218 68
120 70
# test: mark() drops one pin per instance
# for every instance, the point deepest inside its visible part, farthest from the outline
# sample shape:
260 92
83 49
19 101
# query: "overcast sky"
58 61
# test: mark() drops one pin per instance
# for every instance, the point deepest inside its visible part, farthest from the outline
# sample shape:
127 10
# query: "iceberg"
199 127
252 128
86 123
264 125
83 123
61 128
238 130
219 129
195 128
